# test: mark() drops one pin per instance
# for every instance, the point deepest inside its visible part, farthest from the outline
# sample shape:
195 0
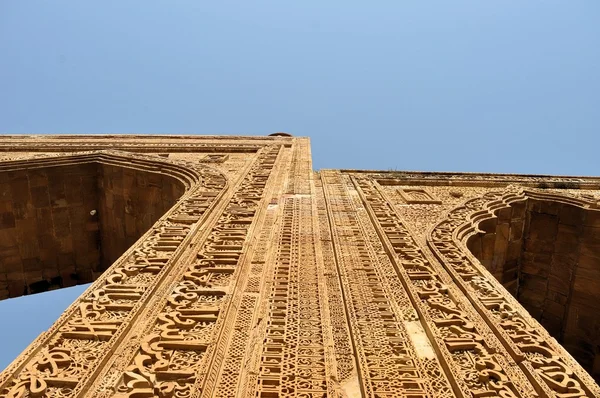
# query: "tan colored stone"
227 267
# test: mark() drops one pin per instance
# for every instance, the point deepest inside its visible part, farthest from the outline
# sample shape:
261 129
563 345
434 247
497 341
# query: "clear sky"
495 86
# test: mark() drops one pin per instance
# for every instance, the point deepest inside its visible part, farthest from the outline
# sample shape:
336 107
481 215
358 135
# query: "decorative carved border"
480 179
474 360
139 143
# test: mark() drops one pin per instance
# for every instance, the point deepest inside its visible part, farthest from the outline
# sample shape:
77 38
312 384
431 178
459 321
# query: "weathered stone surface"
227 267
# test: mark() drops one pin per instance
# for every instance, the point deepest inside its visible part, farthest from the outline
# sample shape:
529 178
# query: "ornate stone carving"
111 304
537 353
266 279
418 196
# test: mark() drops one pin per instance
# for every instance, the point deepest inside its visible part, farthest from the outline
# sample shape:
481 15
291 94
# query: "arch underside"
64 219
546 254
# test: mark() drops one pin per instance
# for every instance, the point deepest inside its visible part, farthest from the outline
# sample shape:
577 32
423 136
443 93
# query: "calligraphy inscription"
170 359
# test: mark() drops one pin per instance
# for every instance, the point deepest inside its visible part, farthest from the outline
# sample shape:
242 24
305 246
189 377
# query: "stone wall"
47 236
499 247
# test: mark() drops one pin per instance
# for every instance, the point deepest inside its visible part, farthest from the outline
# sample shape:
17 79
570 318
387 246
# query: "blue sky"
494 86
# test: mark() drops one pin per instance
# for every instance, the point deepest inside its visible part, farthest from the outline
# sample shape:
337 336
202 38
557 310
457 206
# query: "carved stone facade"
227 267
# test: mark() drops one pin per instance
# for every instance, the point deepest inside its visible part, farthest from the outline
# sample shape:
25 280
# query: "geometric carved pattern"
418 196
266 279
216 158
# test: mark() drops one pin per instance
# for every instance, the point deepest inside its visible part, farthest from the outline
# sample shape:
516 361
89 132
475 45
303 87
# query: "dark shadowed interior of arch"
547 255
64 225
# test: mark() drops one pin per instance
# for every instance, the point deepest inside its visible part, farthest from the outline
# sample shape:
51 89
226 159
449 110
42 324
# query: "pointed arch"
65 219
525 338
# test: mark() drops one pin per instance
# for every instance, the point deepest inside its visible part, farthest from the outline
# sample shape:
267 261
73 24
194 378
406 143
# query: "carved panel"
473 357
176 348
418 196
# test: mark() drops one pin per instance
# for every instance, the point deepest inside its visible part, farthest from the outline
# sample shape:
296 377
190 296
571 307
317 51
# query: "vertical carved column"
340 353
294 350
472 356
181 350
293 357
380 314
238 370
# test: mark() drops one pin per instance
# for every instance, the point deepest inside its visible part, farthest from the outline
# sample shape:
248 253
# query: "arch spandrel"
61 359
547 364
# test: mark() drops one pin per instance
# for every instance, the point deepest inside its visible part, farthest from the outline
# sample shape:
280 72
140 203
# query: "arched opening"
547 255
63 225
